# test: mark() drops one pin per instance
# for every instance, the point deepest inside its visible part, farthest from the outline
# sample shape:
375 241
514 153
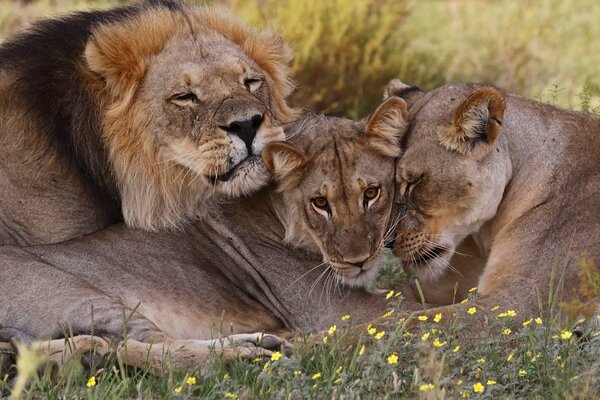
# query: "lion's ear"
386 127
285 162
118 51
476 124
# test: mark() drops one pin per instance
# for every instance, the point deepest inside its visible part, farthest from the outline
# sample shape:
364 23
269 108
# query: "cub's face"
450 176
213 112
337 181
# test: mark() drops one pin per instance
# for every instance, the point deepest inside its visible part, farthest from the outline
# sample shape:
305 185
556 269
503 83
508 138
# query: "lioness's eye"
252 84
410 185
371 195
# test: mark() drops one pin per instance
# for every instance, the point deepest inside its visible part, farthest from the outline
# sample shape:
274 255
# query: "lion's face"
337 182
192 96
450 180
213 112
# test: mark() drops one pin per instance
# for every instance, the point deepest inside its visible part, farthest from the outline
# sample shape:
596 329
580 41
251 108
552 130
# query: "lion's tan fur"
161 166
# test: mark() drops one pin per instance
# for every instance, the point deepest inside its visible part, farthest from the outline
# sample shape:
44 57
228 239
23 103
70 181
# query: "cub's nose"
246 130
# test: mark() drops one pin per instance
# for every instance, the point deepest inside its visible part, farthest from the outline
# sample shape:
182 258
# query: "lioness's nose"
246 130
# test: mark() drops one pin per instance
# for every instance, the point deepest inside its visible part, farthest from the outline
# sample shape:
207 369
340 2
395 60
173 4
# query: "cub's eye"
253 84
411 184
185 97
321 206
320 202
371 195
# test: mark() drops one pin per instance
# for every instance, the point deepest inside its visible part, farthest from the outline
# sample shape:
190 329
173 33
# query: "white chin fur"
250 176
364 278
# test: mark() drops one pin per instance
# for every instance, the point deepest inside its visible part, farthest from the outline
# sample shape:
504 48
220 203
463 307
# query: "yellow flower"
456 349
481 360
315 386
491 382
388 314
316 376
372 331
226 376
506 331
510 357
527 322
566 335
522 372
339 369
425 336
297 372
473 289
325 339
231 396
266 365
91 382
425 387
478 387
437 318
274 357
257 359
192 379
362 350
464 394
511 313
393 359
398 294
408 334
472 310
422 317
494 308
178 389
464 301
380 335
502 315
459 382
437 343
389 295
345 317
332 329
338 380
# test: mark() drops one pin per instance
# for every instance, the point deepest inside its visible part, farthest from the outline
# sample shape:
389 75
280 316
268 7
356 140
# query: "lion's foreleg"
161 352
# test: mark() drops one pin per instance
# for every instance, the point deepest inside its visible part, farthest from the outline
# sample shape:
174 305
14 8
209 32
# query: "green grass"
537 361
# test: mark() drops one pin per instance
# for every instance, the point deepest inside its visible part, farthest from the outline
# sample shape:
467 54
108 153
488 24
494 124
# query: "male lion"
141 113
517 178
236 269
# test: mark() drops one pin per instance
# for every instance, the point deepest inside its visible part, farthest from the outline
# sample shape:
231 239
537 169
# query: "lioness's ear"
397 88
476 124
285 162
118 51
386 127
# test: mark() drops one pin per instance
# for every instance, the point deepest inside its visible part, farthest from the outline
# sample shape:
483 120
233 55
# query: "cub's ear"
285 162
118 51
476 124
386 127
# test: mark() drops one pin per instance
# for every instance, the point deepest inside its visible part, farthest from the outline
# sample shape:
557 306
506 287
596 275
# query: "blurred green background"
347 50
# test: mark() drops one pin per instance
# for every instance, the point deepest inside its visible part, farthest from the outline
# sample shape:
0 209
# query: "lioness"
335 183
141 113
519 179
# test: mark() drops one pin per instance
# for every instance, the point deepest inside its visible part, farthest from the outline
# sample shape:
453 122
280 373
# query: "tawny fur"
121 149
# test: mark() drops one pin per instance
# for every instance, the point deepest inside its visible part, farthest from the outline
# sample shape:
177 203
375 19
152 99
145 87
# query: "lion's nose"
246 130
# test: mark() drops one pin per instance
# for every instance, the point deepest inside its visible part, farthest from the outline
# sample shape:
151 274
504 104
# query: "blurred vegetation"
347 50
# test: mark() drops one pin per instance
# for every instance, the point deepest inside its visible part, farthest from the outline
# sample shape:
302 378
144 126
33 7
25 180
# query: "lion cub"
336 181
